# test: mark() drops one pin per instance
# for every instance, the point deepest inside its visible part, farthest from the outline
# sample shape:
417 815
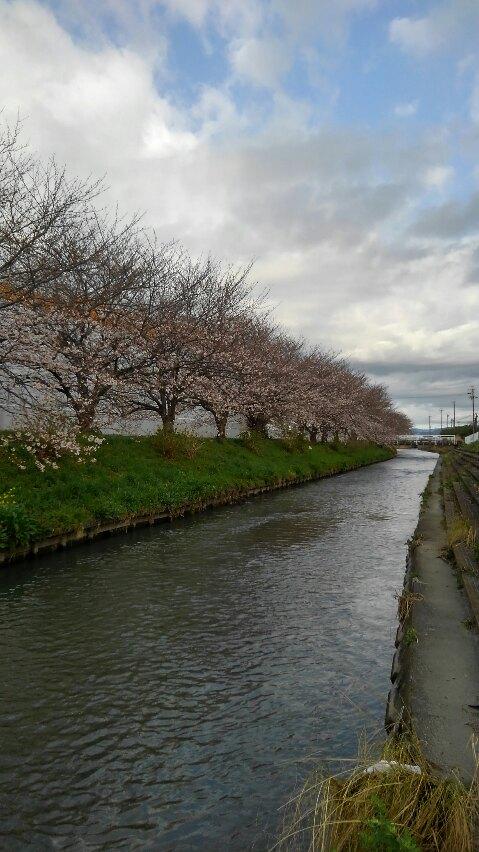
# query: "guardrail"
414 440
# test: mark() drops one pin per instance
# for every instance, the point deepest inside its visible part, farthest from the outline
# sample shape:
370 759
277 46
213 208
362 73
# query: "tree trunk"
168 422
313 436
168 413
221 421
257 425
85 420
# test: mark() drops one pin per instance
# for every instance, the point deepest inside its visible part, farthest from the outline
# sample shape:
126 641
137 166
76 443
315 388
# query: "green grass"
471 448
131 477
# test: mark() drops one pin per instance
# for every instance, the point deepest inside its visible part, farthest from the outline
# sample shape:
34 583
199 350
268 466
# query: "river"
169 689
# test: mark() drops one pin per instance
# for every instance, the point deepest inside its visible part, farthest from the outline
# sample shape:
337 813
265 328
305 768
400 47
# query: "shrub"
16 529
295 442
252 441
175 445
45 437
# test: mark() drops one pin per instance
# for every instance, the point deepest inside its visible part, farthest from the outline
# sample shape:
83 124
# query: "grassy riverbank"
132 477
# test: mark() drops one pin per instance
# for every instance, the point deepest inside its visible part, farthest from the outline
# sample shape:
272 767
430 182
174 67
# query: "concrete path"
444 674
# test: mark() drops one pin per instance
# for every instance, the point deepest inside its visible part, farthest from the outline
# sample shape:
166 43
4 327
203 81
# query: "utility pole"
454 414
441 421
472 396
447 422
429 427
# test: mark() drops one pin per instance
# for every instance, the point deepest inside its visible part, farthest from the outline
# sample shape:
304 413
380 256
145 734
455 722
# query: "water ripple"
162 690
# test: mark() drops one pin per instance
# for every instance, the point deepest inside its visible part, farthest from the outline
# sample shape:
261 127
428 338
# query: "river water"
171 688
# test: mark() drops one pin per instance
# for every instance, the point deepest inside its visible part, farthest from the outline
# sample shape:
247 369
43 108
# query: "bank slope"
132 482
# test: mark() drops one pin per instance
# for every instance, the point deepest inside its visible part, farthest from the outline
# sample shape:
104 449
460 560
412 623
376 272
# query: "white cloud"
237 16
82 103
418 36
262 61
328 19
216 113
194 11
449 25
437 177
405 110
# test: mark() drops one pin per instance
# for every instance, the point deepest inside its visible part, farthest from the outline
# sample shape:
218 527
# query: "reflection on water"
162 690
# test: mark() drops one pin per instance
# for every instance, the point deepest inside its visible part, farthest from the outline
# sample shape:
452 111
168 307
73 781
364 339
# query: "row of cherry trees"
99 322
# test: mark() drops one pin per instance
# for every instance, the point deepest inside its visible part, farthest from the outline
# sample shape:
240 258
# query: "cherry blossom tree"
98 320
185 344
39 204
78 342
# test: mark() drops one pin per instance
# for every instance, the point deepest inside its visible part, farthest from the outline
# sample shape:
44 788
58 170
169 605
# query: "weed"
426 495
410 636
382 835
295 442
405 602
401 806
16 529
469 623
460 530
175 445
252 441
447 553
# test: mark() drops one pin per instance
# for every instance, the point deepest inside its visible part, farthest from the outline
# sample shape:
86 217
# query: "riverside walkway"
442 691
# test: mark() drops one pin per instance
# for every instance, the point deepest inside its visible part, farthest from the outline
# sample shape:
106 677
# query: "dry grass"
421 811
460 530
405 601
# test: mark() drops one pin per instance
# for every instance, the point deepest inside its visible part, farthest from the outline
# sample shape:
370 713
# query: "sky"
333 142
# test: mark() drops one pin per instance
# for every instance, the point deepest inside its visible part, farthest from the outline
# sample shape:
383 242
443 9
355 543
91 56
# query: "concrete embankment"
435 671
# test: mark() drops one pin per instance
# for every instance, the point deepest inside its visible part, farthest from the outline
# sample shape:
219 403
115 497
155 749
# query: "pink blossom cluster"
45 437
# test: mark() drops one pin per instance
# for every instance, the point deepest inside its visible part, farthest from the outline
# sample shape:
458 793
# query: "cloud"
450 221
438 176
299 21
329 20
340 219
450 25
424 388
406 109
261 61
418 36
